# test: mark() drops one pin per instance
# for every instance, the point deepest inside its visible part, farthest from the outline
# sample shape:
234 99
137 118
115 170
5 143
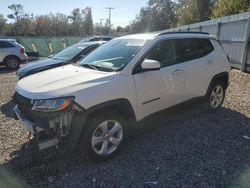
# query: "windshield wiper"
90 66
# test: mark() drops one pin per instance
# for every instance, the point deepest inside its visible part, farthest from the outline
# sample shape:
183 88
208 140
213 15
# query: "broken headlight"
52 105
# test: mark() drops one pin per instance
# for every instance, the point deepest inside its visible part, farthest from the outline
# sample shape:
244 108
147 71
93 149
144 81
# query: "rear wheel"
12 63
216 96
104 135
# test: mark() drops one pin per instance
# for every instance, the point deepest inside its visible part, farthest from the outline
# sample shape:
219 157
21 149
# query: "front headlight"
52 105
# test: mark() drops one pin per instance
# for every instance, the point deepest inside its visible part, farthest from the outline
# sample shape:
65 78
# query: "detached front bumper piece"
47 136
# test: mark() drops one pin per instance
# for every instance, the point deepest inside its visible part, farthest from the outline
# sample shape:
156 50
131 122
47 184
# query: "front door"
159 89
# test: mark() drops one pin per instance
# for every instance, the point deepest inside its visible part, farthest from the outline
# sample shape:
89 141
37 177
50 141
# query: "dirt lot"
182 147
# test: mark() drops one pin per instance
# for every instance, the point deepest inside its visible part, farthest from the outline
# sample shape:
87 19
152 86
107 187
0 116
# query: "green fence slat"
42 43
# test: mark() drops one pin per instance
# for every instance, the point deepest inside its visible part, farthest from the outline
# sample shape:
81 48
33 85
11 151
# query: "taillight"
22 51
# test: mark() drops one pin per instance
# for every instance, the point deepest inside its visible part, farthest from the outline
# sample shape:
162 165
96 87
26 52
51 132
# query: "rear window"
189 49
95 39
4 44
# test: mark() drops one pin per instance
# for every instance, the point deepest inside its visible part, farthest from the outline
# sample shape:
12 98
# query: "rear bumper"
24 60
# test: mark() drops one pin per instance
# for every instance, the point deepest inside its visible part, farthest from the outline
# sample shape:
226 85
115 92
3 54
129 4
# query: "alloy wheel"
107 137
216 96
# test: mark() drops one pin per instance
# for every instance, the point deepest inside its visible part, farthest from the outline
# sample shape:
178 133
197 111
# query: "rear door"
159 89
197 53
6 49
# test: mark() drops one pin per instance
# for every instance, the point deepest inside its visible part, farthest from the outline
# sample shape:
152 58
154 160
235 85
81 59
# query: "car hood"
37 65
61 81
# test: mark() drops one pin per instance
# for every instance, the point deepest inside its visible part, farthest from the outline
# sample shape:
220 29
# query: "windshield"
69 53
114 55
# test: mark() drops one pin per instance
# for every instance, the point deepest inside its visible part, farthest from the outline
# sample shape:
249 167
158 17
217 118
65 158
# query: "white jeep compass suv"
93 105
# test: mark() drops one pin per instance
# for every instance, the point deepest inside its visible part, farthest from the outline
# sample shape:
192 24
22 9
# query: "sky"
124 10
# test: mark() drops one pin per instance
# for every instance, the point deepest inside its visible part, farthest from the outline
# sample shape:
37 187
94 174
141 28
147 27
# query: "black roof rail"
184 32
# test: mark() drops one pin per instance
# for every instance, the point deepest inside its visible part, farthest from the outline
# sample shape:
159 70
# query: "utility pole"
109 8
101 26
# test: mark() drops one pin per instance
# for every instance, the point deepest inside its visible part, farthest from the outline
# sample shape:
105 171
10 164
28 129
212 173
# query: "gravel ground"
181 147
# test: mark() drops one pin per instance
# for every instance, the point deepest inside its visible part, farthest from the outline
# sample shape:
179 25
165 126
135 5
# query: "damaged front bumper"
47 128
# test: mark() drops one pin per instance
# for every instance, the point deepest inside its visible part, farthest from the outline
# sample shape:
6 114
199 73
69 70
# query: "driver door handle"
177 71
209 62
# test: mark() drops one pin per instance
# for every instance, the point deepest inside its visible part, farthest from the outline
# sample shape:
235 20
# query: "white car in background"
12 54
95 104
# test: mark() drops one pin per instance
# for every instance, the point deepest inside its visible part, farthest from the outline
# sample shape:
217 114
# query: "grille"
25 106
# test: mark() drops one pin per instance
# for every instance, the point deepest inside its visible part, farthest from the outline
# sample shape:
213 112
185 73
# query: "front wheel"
104 135
216 96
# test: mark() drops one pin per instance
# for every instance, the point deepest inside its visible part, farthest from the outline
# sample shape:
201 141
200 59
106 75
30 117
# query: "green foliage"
88 21
43 25
58 24
103 29
17 10
192 11
79 23
2 24
229 7
76 18
157 15
24 26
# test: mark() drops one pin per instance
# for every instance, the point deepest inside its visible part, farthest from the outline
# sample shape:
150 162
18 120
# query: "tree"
2 25
118 29
43 25
23 22
24 27
88 21
192 11
17 10
157 15
229 7
58 24
77 22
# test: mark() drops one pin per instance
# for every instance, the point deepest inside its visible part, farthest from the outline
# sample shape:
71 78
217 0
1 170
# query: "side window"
182 50
162 52
189 49
200 47
4 44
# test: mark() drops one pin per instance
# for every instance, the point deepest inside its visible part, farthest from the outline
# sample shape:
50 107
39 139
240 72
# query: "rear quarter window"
193 48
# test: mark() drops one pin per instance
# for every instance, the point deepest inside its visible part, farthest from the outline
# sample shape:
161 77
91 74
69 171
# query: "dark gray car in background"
71 54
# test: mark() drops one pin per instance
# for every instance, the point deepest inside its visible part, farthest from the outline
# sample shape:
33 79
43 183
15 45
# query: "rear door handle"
177 71
209 62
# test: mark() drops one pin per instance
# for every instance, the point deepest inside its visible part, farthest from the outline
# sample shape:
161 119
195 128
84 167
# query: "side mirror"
149 64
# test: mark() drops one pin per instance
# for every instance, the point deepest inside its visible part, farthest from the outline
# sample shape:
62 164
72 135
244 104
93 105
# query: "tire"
98 141
12 63
215 96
